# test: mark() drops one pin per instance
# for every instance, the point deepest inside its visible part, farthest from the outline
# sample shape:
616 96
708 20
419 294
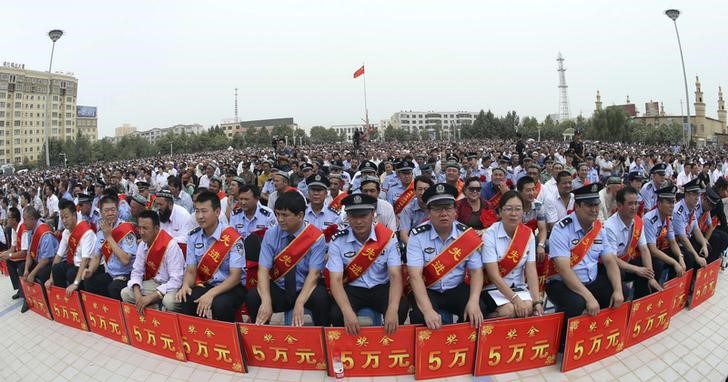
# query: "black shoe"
25 307
16 296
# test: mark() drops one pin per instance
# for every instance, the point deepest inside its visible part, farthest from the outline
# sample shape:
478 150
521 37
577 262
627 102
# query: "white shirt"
85 249
52 204
204 181
620 236
179 224
555 209
496 242
385 215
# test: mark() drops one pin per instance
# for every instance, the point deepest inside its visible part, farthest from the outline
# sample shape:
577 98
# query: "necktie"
289 279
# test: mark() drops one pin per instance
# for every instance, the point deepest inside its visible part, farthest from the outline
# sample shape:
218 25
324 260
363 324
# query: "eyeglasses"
441 209
474 189
509 209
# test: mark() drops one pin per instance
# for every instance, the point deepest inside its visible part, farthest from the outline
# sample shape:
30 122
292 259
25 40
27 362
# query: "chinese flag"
359 72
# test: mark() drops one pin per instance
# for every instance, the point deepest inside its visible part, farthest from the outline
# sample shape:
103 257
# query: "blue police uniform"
303 188
412 215
394 191
619 236
116 275
648 195
344 247
683 220
47 248
263 218
324 218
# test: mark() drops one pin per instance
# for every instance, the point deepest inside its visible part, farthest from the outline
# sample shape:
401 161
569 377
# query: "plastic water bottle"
338 368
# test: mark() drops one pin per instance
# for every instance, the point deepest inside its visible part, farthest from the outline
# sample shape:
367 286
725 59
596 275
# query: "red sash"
81 228
532 224
703 222
221 195
155 254
122 197
451 257
487 215
631 251
495 199
150 202
336 203
515 252
330 231
214 256
118 234
641 210
37 236
690 223
459 186
405 198
290 256
18 237
538 187
662 243
579 251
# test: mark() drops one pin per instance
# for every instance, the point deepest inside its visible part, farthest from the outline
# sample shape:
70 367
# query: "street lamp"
55 34
673 15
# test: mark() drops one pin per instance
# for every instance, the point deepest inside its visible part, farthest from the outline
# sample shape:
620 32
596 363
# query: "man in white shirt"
686 175
173 218
51 203
561 204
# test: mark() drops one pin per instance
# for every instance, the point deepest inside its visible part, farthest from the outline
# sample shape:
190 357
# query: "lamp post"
673 15
55 34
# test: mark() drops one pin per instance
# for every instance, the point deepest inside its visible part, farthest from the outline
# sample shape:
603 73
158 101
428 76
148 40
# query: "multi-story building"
414 121
23 97
231 127
123 130
87 122
156 133
348 130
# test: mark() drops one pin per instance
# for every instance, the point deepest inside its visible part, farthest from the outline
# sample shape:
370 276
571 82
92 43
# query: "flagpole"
366 109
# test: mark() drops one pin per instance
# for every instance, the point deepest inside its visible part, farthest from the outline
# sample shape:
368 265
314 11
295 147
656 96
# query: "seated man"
577 244
685 226
78 244
291 260
14 256
439 253
116 242
215 260
660 236
42 248
158 267
365 268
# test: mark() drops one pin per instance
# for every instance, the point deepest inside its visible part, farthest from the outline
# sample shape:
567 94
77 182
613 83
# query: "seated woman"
509 258
474 211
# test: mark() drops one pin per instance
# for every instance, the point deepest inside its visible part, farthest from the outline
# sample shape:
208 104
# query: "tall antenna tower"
564 114
236 106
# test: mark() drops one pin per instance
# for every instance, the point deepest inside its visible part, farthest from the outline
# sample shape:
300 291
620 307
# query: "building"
414 121
153 135
87 122
23 97
704 129
123 130
231 127
348 130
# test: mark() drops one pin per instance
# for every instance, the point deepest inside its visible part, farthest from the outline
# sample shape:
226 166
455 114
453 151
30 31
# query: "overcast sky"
158 63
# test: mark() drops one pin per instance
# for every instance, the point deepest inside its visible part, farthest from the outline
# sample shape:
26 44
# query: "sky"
159 63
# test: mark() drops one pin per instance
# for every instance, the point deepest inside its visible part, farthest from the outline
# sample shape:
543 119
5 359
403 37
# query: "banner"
681 296
372 353
104 317
705 281
447 352
156 332
212 343
36 299
515 344
591 338
650 315
67 310
283 347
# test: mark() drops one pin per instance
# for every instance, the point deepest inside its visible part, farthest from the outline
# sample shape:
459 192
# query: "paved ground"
694 348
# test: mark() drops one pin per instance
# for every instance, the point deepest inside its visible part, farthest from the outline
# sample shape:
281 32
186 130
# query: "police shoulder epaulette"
194 231
264 212
340 233
421 228
564 222
653 219
462 226
237 211
680 210
332 209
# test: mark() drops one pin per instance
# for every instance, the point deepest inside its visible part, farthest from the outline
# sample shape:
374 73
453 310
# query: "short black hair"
108 199
32 212
292 201
521 183
14 213
175 181
209 196
510 194
622 193
563 174
150 214
250 187
68 205
425 179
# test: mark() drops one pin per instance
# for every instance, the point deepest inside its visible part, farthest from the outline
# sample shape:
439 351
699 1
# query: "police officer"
379 285
384 212
317 213
416 212
299 286
86 212
583 286
660 236
367 168
404 173
121 253
449 292
220 295
307 170
250 216
685 225
38 259
657 181
717 239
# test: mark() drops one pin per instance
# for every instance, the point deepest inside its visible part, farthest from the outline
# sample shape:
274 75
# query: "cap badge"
357 199
440 189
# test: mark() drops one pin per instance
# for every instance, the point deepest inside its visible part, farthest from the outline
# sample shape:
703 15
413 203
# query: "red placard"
681 296
4 268
650 315
36 299
591 338
104 316
156 332
372 353
67 310
283 347
446 352
211 343
508 345
705 281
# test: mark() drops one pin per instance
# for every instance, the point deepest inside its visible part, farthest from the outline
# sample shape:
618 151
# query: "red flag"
359 72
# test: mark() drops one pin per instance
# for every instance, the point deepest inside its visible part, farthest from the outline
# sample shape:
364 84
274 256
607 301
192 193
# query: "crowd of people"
424 231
